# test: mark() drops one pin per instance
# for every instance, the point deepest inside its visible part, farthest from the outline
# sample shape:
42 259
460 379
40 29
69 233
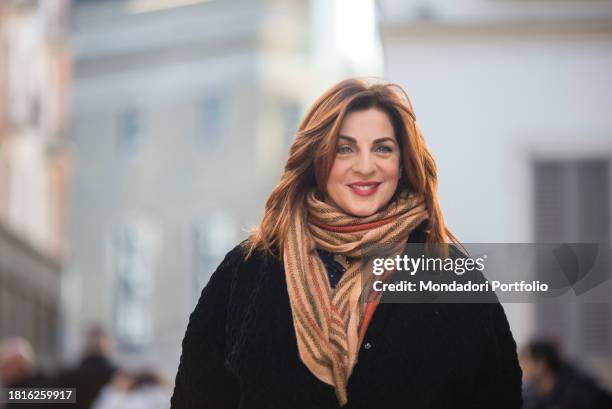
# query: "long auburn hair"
313 151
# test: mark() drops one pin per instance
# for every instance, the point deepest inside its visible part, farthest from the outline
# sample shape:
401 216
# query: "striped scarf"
329 323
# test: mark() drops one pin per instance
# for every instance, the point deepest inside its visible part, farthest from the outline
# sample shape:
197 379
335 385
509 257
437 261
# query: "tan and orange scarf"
330 323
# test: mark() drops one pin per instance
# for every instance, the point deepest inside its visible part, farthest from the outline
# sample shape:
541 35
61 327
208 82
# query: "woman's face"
366 169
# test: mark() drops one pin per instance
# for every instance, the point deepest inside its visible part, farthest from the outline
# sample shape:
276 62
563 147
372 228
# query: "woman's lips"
364 189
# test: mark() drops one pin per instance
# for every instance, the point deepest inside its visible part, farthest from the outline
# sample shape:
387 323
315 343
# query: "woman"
281 323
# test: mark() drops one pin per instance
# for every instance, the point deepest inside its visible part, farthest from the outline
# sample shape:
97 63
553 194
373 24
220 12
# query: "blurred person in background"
95 369
17 368
143 389
281 323
552 383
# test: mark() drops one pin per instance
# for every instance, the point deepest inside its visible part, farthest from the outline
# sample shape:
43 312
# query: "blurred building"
183 113
34 73
513 98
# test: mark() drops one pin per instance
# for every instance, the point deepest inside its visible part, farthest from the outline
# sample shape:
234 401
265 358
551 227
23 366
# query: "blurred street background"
139 140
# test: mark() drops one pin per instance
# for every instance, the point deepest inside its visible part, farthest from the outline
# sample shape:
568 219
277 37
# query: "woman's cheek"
391 169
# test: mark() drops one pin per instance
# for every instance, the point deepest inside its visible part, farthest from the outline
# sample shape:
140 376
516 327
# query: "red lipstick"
366 188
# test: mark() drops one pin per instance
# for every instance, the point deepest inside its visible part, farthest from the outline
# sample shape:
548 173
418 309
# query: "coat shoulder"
241 253
240 261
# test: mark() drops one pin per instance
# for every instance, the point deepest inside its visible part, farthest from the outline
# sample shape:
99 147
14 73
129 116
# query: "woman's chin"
362 211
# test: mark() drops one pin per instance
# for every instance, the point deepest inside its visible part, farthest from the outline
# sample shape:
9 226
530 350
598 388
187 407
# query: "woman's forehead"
367 125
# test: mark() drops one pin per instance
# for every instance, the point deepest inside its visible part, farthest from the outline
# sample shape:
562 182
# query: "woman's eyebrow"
379 140
384 140
350 138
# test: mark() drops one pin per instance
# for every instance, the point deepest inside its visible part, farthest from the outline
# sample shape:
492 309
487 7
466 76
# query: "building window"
134 250
572 204
130 133
212 238
212 129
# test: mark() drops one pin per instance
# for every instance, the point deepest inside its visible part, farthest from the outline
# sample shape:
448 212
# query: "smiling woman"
286 322
366 171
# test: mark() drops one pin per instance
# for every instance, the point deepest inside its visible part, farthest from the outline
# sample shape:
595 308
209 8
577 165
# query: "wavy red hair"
313 151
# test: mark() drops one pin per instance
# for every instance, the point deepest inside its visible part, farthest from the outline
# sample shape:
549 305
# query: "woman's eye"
384 149
344 149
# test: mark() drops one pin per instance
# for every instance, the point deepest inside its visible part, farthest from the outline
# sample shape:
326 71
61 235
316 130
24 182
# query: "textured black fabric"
240 351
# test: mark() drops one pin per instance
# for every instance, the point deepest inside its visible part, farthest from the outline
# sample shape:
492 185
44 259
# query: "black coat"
240 351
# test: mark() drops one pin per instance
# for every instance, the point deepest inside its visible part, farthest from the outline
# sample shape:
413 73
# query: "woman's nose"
364 164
